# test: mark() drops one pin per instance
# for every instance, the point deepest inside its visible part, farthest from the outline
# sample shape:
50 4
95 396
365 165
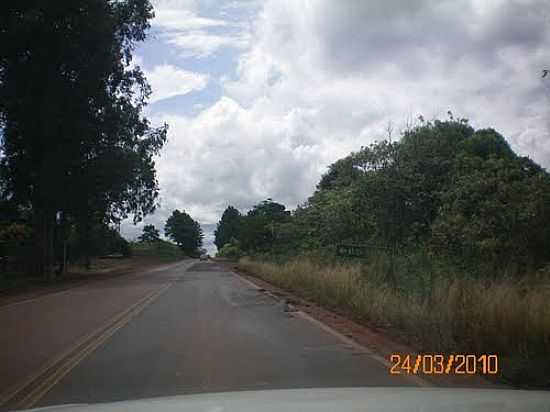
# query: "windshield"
205 196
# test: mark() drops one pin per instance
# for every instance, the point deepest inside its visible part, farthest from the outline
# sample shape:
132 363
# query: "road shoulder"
378 341
40 288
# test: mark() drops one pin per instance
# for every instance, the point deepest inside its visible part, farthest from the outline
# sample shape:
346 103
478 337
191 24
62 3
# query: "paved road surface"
192 327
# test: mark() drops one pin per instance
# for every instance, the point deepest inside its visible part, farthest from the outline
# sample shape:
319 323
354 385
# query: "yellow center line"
60 360
62 370
15 389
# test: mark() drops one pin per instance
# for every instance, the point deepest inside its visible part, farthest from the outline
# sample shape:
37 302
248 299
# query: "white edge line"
355 345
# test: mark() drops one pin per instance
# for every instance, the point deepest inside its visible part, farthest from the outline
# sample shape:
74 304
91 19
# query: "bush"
110 241
230 250
15 232
124 248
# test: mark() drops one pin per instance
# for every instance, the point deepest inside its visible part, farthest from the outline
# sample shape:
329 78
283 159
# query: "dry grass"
507 317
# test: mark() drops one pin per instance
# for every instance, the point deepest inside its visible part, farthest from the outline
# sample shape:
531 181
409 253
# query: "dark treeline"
445 189
76 154
184 233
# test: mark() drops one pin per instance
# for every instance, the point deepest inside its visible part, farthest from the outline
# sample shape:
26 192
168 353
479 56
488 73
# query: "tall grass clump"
437 309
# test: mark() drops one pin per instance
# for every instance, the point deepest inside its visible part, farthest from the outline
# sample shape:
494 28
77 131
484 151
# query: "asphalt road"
189 328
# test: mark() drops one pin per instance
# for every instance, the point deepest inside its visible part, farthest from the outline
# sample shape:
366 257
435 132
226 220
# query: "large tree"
186 232
497 213
227 228
258 229
444 188
74 141
150 234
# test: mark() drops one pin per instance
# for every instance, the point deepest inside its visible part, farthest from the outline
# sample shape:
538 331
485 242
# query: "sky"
261 96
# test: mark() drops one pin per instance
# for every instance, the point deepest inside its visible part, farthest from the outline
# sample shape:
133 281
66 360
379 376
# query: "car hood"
340 400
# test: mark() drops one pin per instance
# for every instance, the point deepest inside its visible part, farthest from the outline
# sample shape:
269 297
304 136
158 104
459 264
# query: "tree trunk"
84 233
64 235
64 267
43 225
87 240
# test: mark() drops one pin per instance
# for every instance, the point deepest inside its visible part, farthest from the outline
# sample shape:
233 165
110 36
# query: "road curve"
190 328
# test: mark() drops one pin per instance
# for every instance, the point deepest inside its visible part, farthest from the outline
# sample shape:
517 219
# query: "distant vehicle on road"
204 257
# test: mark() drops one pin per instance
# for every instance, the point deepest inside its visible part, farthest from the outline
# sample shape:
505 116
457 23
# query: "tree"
488 143
227 228
496 213
74 141
185 231
230 250
341 173
330 217
258 229
150 234
270 210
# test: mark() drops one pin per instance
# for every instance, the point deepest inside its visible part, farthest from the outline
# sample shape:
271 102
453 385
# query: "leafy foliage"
186 232
103 240
258 230
230 250
15 232
227 228
497 212
73 137
150 234
444 188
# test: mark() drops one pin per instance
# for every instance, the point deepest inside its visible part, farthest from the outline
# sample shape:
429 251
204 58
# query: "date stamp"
443 364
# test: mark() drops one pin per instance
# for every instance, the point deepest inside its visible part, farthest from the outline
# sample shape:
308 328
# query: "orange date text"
440 364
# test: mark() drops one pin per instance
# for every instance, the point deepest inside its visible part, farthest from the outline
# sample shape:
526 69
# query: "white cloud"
179 23
242 4
202 44
323 78
390 61
177 19
169 81
230 155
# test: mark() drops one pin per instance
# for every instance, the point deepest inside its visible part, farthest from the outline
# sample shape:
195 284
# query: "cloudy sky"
260 96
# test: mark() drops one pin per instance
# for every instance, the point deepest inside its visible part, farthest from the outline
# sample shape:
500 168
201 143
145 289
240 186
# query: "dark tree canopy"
73 137
255 231
227 228
443 188
488 143
184 231
340 174
270 210
149 234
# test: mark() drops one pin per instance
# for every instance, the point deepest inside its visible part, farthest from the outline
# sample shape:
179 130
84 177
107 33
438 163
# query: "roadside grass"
161 250
436 310
99 266
142 255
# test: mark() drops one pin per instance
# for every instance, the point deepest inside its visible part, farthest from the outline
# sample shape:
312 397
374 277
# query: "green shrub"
230 250
15 232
